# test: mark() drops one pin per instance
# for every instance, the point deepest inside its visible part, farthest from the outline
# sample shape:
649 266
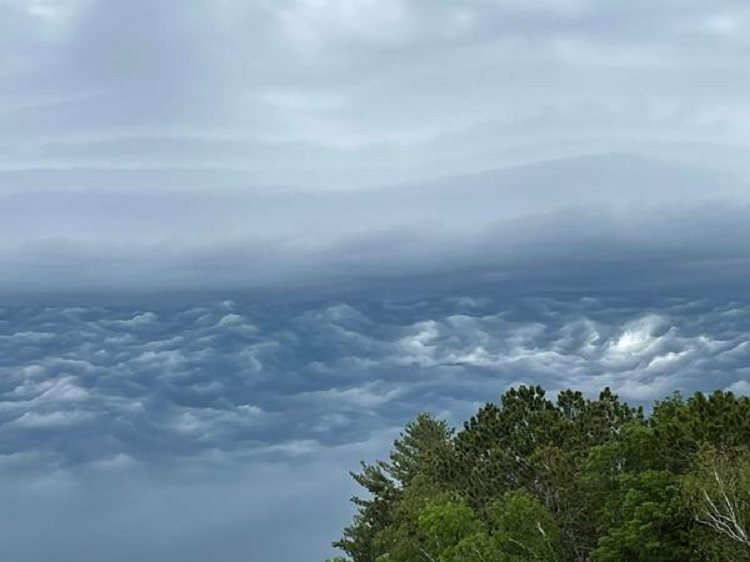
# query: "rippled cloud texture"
213 426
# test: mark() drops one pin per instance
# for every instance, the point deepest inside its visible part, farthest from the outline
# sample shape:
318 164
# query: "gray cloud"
89 384
355 93
589 223
122 418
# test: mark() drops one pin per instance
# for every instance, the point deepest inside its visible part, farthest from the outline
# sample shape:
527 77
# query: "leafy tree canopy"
569 479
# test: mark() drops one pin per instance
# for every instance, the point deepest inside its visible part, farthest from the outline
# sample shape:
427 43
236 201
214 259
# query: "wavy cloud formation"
124 418
88 385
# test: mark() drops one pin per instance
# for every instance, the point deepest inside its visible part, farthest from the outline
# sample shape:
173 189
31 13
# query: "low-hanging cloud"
265 379
596 223
127 420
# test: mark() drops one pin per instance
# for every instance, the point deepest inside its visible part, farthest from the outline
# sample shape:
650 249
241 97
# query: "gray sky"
241 243
147 144
351 93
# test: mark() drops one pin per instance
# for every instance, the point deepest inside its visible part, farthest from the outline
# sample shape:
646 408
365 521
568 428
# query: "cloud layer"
346 144
124 418
357 92
617 222
89 384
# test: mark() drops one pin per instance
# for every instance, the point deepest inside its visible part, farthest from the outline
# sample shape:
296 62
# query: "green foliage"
720 419
423 441
523 529
447 524
718 491
375 527
574 479
645 520
404 541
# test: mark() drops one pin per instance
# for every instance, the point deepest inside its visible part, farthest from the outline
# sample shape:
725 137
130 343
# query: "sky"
243 242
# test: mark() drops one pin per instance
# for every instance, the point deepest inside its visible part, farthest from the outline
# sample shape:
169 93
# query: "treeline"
567 480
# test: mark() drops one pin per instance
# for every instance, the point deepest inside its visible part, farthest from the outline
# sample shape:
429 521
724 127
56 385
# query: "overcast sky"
242 242
146 144
352 93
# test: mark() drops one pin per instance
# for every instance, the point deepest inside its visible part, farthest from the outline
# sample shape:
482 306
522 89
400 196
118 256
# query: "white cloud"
51 420
314 25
